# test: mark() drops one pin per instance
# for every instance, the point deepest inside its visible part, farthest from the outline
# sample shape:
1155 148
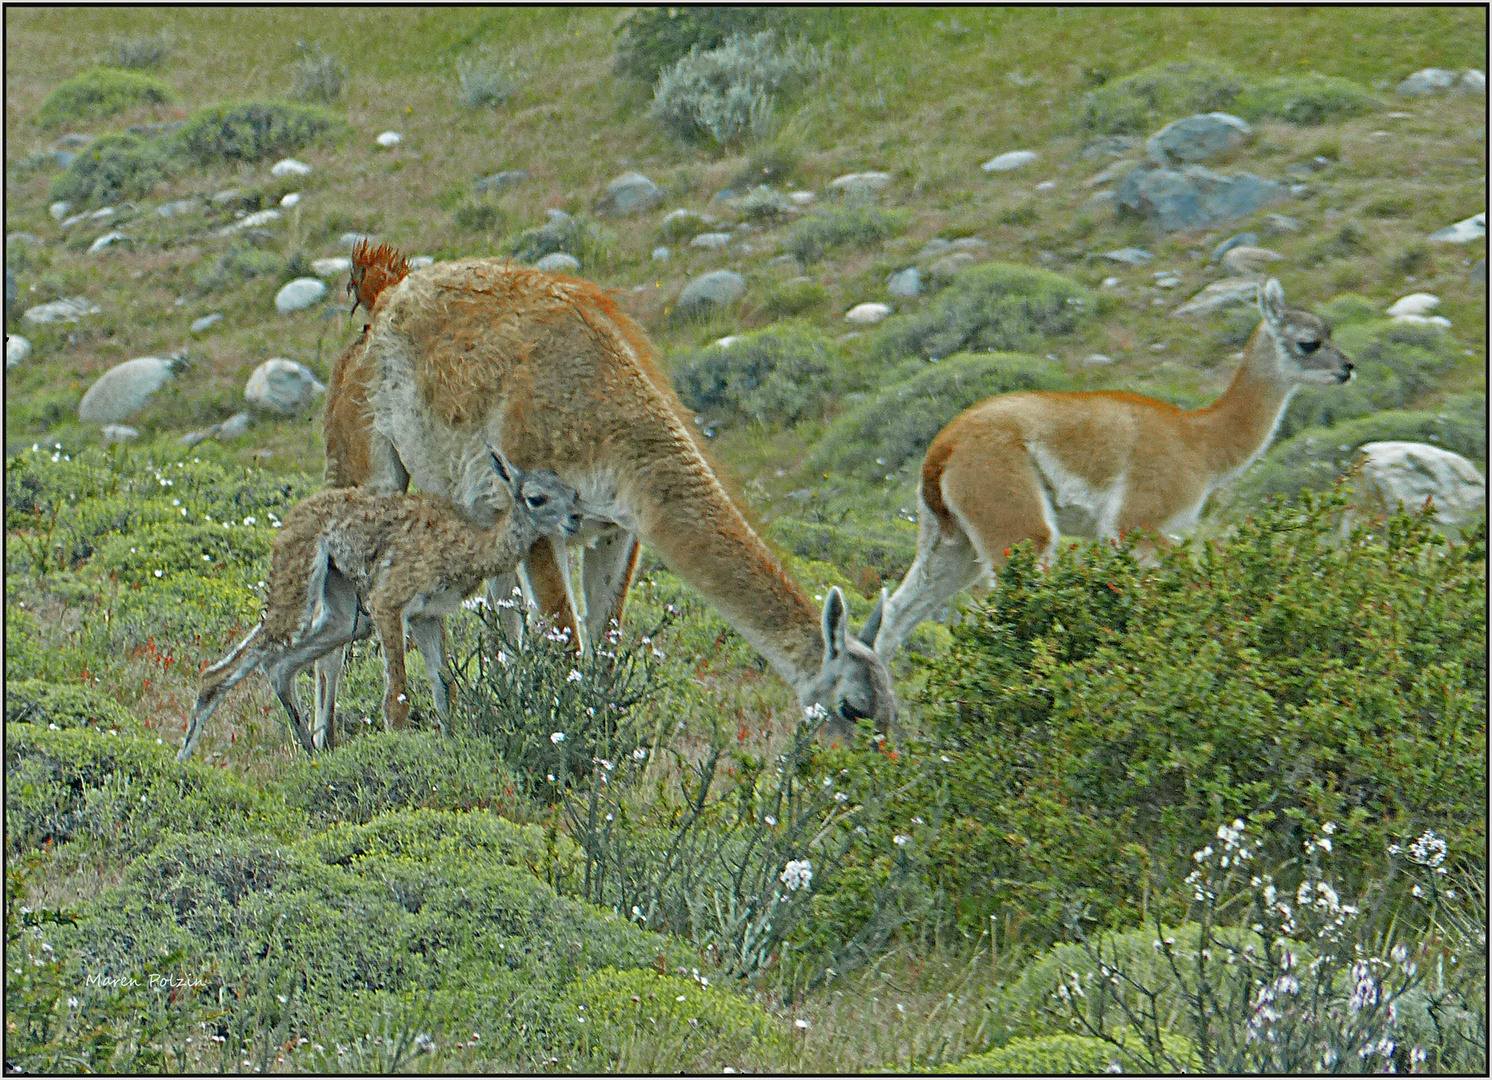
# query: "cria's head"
552 504
374 269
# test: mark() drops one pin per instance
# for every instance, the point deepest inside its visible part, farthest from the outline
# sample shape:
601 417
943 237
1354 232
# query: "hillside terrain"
644 861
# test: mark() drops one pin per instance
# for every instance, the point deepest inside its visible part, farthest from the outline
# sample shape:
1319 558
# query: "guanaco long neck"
1237 427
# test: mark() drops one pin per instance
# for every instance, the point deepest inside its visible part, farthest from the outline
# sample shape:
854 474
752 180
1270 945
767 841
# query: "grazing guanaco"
1013 467
463 354
349 560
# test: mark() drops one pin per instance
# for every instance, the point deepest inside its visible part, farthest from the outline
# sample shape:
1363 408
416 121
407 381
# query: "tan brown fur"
404 558
1006 469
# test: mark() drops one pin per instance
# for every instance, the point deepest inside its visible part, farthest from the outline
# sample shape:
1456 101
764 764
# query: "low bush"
111 168
1257 676
819 233
783 375
138 52
101 92
1162 92
651 40
479 216
1047 1055
855 545
795 296
487 82
240 262
995 307
256 130
731 91
891 430
577 236
317 76
1305 99
36 701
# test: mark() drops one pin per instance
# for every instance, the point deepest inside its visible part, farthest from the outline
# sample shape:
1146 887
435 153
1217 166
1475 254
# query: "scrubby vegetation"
114 167
101 92
786 374
255 131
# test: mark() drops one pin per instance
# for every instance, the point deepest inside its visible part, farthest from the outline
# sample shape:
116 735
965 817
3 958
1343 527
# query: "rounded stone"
1198 138
867 314
630 193
207 322
299 294
1010 161
1394 474
558 262
290 167
388 140
949 265
334 266
1420 303
718 288
118 433
861 184
711 240
419 262
17 349
127 388
70 310
281 386
660 254
905 283
1427 81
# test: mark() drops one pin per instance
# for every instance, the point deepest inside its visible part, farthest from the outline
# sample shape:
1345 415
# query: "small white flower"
639 754
801 1024
557 737
1329 828
901 840
840 797
158 573
251 521
798 874
574 676
770 820
815 712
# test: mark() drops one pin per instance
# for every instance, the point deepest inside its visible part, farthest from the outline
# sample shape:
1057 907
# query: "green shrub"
383 771
100 92
317 76
886 547
1314 458
111 168
727 92
120 793
783 374
577 236
256 130
479 216
1305 99
786 299
1046 1055
1279 675
35 701
138 52
143 556
650 40
240 262
815 235
892 430
643 1022
1346 308
486 81
988 308
1157 94
1396 363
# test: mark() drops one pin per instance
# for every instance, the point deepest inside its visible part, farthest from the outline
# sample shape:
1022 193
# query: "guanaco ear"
506 471
872 625
834 628
1272 302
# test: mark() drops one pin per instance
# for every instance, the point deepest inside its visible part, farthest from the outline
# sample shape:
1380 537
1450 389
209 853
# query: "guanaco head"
374 269
551 506
853 683
1302 341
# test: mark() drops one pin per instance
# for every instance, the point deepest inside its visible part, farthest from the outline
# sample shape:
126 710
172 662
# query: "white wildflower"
574 676
798 874
556 737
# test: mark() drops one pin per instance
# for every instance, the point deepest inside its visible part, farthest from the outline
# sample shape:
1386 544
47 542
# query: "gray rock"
630 193
350 240
107 240
905 283
660 254
1280 224
1427 81
801 198
1244 260
867 314
1197 138
1388 475
127 388
25 239
712 241
331 267
1243 239
949 265
17 349
1112 171
1473 83
64 158
1167 279
1220 295
97 215
289 167
558 217
177 207
230 428
1130 256
59 209
719 288
860 185
1462 232
224 197
558 262
388 140
1108 146
74 140
1419 303
69 310
299 294
207 322
1194 197
419 262
281 386
256 220
1479 272
499 181
118 433
972 244
1097 359
934 248
1010 161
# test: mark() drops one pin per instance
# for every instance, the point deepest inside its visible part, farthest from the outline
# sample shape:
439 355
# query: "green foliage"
893 429
578 236
795 296
1158 94
239 262
1305 99
650 40
120 793
784 374
818 233
35 701
643 1022
856 545
486 81
480 216
1049 1055
1315 457
1346 308
1256 676
139 557
994 307
317 76
100 92
1396 363
727 92
146 51
383 771
256 130
111 168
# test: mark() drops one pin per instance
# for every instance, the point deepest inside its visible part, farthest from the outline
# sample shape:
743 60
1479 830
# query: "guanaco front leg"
429 633
388 617
606 571
549 577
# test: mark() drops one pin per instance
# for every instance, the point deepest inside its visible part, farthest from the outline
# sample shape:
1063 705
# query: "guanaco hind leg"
217 681
429 633
606 570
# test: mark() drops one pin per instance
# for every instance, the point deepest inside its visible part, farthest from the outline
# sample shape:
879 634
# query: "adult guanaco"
348 560
463 354
1017 466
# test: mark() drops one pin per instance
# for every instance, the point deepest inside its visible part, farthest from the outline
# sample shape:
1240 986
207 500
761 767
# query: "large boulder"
1387 475
1428 81
1197 138
127 388
299 294
282 386
1194 197
1219 295
719 288
630 193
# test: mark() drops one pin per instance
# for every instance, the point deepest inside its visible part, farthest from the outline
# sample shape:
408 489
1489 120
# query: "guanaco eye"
536 501
1308 347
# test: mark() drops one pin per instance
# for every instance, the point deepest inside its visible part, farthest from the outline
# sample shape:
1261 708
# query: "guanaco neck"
1237 427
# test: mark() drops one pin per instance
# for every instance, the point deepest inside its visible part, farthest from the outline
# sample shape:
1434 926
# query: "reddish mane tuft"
374 269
